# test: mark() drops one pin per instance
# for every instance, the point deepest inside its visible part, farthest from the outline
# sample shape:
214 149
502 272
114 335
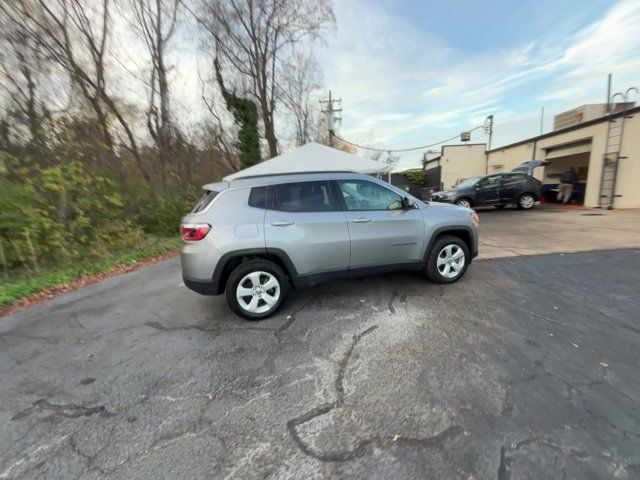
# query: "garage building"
605 152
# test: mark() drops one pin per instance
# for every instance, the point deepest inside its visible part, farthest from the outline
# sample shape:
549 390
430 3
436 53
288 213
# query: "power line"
404 149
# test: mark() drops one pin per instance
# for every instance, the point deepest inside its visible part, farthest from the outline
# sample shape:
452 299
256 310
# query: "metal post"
609 93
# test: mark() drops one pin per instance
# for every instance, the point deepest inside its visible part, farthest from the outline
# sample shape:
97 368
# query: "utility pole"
541 120
329 113
489 129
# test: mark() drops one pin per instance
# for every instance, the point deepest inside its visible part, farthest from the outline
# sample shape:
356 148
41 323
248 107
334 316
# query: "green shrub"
162 216
62 212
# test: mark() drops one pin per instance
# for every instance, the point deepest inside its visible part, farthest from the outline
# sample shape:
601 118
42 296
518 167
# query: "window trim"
271 197
343 204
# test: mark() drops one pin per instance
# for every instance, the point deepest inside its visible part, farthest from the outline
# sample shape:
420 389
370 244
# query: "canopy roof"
311 158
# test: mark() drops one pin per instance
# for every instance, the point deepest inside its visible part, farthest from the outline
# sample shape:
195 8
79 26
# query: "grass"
16 288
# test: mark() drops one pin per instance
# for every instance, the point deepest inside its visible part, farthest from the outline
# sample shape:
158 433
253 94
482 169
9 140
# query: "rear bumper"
203 288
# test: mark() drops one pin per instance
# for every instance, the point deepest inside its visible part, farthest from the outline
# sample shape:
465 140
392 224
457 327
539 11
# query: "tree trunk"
269 133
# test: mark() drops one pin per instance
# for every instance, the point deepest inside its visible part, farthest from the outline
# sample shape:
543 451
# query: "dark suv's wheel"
526 201
448 259
464 202
256 289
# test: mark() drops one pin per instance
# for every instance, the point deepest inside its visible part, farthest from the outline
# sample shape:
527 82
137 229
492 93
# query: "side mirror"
406 203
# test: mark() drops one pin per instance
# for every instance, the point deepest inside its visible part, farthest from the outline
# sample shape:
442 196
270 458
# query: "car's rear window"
204 201
258 197
302 197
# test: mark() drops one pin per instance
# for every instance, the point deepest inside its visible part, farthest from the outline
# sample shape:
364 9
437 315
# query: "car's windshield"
469 182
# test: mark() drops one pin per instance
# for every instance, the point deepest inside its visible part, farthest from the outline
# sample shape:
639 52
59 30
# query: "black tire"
526 201
246 268
464 199
499 207
434 274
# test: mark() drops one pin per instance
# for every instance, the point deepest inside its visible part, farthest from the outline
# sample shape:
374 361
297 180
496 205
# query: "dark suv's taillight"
192 232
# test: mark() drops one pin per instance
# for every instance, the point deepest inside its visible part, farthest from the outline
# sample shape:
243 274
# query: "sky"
415 72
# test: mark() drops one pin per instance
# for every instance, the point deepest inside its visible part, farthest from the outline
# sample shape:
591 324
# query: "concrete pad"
556 229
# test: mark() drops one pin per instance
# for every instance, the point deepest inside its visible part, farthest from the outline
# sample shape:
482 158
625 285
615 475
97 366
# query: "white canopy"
309 158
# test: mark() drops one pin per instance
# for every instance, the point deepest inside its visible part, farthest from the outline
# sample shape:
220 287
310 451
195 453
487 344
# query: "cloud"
404 86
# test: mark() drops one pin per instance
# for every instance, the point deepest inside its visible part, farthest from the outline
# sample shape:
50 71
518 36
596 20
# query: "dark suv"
497 190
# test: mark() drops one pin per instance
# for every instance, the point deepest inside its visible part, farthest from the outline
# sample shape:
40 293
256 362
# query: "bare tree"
157 20
23 68
301 77
252 36
75 36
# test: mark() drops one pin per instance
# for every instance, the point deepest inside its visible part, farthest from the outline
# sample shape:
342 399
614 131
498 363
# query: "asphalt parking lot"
526 368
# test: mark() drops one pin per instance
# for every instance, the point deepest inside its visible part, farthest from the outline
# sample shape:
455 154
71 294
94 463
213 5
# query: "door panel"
488 190
385 237
303 220
511 187
381 232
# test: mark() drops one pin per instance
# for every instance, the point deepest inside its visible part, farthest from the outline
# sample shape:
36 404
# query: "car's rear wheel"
448 259
526 201
463 202
256 289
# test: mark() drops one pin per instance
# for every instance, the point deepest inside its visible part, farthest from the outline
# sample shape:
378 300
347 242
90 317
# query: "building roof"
577 126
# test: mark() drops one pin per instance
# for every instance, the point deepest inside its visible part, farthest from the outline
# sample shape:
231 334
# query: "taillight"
192 232
539 182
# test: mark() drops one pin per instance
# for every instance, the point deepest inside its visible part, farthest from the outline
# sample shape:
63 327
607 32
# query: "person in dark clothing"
567 181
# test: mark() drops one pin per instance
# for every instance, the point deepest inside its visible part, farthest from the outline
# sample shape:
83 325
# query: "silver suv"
254 238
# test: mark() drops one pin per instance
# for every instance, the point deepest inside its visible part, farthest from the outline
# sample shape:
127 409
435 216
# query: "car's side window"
513 180
364 195
302 197
491 181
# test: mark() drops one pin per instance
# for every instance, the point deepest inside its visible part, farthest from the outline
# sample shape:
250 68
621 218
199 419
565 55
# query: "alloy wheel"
527 201
258 292
451 260
464 203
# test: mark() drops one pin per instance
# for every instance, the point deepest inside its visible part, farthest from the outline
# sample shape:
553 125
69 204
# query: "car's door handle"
282 223
362 220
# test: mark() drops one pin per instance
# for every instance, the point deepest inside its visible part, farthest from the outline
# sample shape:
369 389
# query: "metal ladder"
611 159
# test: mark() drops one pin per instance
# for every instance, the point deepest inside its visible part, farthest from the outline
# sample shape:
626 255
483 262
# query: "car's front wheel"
256 289
448 259
464 202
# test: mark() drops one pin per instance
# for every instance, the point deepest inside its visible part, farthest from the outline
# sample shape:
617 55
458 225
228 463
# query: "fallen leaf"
605 365
577 346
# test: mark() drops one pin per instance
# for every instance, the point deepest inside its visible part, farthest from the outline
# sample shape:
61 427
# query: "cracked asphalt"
526 368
